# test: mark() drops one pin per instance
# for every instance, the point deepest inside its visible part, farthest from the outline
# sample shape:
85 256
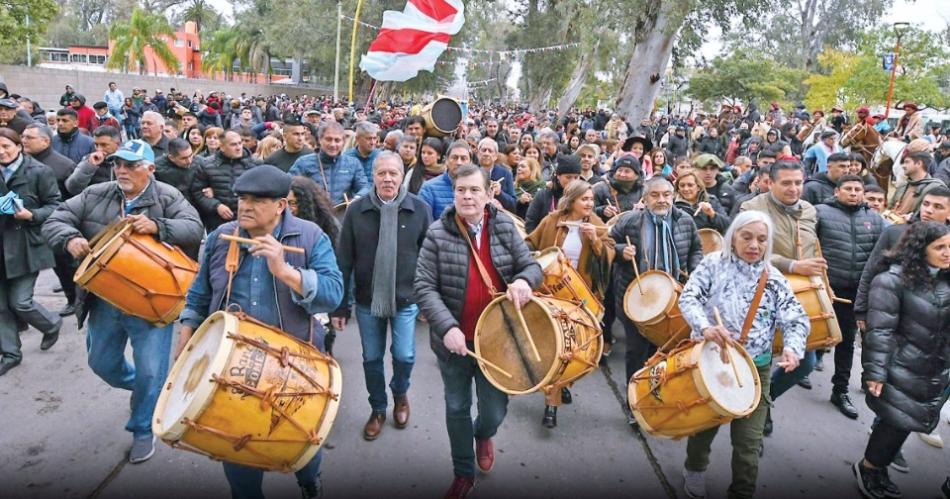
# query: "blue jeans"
403 349
782 381
246 481
457 373
109 331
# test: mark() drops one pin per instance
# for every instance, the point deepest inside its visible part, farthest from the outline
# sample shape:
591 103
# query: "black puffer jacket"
442 270
907 348
178 177
544 202
723 192
819 189
219 173
688 247
848 235
719 223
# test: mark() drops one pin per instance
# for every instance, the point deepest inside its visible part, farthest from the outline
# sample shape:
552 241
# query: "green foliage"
141 31
857 78
746 77
13 14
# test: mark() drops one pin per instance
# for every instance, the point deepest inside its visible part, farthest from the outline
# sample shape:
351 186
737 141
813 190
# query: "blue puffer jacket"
367 162
438 194
344 175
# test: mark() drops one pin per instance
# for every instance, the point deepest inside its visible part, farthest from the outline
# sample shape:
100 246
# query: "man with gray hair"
365 150
341 176
550 150
661 237
502 185
391 142
152 125
379 243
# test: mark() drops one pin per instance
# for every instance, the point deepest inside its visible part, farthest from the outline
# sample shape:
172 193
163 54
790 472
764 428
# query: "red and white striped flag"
412 40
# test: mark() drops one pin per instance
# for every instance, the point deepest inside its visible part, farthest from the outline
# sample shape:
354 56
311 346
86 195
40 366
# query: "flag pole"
356 27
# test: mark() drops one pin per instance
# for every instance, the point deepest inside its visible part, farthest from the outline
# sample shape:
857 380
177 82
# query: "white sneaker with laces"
933 439
694 484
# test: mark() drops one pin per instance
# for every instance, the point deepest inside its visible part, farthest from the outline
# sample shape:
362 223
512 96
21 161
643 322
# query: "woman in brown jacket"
585 242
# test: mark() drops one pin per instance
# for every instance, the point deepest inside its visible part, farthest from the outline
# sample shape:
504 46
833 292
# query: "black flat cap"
264 181
567 165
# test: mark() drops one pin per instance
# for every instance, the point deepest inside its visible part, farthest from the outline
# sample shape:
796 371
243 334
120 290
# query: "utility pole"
29 47
336 69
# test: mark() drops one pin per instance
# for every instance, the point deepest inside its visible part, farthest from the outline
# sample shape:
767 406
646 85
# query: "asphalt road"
63 437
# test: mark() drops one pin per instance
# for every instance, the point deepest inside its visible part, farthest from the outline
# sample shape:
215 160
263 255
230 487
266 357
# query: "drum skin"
562 281
567 336
671 398
710 239
254 404
136 273
813 295
661 293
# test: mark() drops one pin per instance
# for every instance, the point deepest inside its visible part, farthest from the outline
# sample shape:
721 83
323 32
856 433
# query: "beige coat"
795 231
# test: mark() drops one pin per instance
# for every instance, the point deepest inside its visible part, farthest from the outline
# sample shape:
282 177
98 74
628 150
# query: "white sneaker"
694 484
932 439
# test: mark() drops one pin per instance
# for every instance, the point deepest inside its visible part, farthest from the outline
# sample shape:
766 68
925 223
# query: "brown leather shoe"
485 454
374 426
401 412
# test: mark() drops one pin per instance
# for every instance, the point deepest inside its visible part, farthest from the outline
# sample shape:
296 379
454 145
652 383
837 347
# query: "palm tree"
254 52
132 37
200 12
221 52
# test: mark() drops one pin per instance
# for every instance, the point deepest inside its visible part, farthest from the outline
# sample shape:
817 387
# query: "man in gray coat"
452 292
153 208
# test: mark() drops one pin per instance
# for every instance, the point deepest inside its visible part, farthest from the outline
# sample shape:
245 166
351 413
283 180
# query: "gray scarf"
384 268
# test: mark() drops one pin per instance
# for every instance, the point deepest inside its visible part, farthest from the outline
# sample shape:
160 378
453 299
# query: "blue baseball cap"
134 150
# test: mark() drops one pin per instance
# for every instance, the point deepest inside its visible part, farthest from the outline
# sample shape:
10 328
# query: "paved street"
63 437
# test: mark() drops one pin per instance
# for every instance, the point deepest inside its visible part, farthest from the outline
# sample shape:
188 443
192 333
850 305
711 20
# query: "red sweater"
477 294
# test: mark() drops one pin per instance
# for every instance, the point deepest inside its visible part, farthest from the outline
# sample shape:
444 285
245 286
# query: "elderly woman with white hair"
737 281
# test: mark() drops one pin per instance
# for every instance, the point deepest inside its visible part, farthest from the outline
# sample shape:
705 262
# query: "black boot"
767 429
946 488
550 416
805 383
566 397
843 403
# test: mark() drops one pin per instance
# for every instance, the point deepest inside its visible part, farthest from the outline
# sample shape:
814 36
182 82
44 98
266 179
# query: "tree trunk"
576 83
539 99
641 83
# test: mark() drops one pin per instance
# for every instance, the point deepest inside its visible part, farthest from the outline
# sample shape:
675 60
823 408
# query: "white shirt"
572 245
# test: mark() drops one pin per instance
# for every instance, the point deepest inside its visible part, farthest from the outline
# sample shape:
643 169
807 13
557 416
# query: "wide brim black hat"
647 143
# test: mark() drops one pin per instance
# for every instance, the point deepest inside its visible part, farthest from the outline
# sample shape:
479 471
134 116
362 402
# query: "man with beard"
909 194
661 237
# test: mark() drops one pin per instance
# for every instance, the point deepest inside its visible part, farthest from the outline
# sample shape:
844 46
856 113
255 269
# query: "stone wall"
46 85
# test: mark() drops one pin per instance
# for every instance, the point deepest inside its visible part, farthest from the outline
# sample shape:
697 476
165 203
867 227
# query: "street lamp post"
899 29
336 68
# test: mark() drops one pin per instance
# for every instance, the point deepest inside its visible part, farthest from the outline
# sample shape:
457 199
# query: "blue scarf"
658 234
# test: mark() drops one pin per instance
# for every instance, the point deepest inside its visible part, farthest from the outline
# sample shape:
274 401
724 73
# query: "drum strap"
231 263
754 305
478 261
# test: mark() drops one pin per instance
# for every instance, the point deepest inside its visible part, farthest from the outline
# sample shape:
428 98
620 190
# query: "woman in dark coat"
906 354
28 196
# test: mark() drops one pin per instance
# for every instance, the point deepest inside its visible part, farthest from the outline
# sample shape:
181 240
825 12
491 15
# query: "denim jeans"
16 302
403 349
782 381
109 330
746 435
246 482
457 373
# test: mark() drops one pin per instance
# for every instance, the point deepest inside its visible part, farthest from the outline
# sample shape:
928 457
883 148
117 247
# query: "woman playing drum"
729 281
583 238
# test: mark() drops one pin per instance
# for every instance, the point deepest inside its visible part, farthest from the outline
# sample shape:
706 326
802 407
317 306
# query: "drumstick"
636 270
578 224
524 327
697 211
732 361
229 237
824 276
488 363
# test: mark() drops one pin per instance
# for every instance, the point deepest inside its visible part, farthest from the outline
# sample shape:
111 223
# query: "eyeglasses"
128 165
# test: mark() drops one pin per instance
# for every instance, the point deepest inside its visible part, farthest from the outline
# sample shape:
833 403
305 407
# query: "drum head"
189 387
500 339
548 258
446 115
658 291
720 379
711 240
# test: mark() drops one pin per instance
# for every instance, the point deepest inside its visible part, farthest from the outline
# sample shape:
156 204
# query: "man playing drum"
270 284
728 281
154 208
452 289
795 222
661 237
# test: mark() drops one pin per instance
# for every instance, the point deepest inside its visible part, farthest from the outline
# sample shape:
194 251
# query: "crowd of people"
402 224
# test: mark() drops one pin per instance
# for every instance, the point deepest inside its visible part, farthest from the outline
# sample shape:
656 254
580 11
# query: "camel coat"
548 234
